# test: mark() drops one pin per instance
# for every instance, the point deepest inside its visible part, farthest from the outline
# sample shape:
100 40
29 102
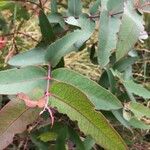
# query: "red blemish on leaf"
31 103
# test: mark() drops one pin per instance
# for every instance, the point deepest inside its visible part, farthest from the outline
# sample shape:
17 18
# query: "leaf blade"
69 99
100 97
14 81
16 122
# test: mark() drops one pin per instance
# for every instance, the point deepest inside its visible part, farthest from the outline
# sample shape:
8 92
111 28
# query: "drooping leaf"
47 133
74 7
134 122
46 28
14 118
14 81
131 26
38 143
119 116
61 138
89 143
73 135
109 26
35 56
54 8
124 63
87 30
115 6
136 89
62 46
57 18
100 97
95 7
139 110
69 100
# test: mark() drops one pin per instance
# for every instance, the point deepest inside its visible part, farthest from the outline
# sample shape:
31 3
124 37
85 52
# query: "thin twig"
47 95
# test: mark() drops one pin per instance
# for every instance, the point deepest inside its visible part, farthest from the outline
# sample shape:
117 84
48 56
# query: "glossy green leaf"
62 46
132 25
74 7
14 118
26 79
109 27
46 28
136 89
139 110
100 97
35 56
69 100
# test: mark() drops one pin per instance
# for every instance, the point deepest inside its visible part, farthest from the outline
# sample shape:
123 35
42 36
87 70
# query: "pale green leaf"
100 97
87 30
89 143
136 89
132 25
62 46
54 8
115 6
124 63
138 124
119 116
14 118
74 7
69 100
35 56
57 18
24 80
109 27
95 7
139 110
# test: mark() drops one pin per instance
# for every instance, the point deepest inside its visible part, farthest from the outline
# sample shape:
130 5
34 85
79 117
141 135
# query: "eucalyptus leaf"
35 56
109 27
130 29
14 118
46 28
100 97
74 7
95 7
67 98
136 89
14 81
54 8
139 110
62 46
